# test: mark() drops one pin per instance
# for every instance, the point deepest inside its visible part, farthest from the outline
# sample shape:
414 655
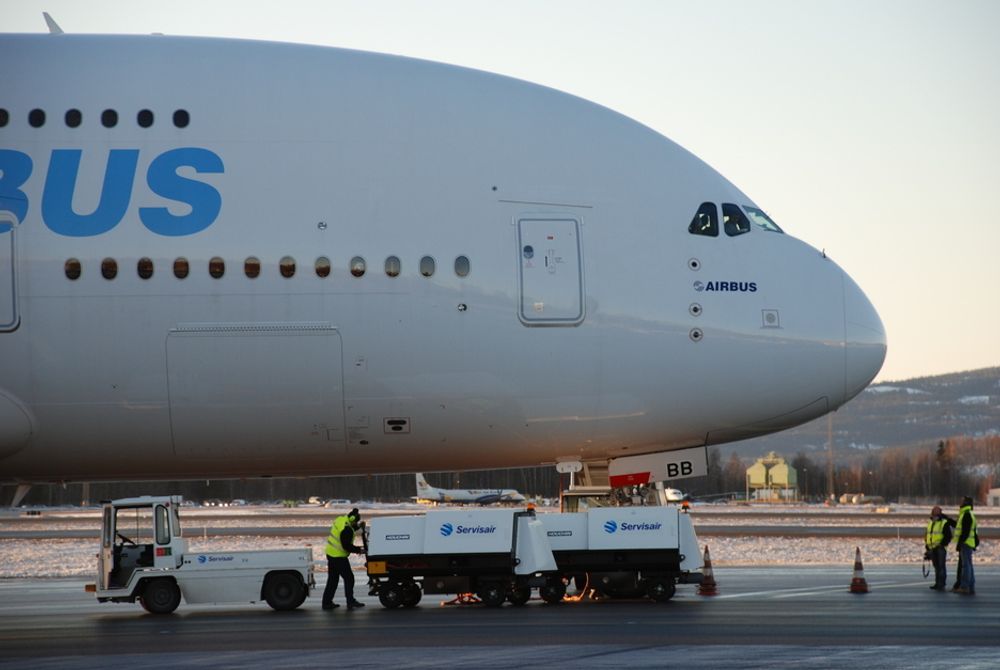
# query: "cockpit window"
705 221
734 221
761 219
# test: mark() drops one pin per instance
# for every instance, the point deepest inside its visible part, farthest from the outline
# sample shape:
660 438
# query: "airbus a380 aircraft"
225 258
478 496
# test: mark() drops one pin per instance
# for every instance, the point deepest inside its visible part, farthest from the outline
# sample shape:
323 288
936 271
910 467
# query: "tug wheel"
160 596
284 591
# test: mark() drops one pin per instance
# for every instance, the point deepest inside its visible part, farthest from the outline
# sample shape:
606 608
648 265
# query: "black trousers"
338 567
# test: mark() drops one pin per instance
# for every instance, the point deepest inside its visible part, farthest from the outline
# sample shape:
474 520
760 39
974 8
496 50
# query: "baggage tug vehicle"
144 557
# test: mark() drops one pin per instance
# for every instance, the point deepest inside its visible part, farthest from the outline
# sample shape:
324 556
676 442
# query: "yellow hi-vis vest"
935 533
971 539
333 546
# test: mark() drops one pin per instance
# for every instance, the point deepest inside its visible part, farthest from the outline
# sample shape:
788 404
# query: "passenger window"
216 267
109 268
181 268
144 268
73 269
734 221
322 266
287 267
392 266
427 266
109 118
761 219
251 267
705 221
462 266
358 266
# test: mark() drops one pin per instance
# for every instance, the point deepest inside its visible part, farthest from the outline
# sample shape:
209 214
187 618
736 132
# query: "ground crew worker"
968 540
936 540
339 545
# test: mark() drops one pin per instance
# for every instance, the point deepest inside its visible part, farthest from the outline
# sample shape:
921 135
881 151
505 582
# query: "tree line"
943 472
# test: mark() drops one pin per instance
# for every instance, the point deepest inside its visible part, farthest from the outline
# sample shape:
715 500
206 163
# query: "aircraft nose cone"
864 340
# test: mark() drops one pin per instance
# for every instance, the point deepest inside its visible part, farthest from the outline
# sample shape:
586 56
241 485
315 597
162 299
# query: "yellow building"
771 478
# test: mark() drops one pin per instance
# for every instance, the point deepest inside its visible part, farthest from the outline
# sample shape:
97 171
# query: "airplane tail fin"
54 28
422 485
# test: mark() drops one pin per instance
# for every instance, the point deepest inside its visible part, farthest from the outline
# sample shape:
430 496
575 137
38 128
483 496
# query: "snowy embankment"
77 557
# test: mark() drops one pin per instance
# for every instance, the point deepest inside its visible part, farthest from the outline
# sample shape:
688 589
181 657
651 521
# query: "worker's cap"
967 500
354 514
935 510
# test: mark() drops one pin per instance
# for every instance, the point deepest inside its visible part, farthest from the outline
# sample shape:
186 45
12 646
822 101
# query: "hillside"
910 413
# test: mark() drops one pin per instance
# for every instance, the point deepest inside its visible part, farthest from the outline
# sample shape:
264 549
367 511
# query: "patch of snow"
896 389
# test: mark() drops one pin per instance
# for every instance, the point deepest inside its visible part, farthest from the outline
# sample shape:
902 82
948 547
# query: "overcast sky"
869 129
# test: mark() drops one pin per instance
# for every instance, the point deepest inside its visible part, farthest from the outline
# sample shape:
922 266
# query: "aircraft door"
551 272
9 318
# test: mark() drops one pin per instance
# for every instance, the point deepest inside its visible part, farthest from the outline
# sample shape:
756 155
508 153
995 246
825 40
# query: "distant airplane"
479 496
229 258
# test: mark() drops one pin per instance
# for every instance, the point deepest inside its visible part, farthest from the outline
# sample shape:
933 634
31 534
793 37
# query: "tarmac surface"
774 617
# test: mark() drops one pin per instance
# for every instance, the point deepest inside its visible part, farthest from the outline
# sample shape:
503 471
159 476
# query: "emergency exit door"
8 288
551 272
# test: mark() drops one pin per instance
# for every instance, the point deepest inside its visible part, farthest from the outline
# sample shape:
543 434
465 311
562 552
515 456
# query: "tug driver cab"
137 533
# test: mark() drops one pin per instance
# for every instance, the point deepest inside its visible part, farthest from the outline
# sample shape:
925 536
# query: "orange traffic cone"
708 587
858 583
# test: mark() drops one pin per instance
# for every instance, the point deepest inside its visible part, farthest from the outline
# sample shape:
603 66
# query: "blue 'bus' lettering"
60 184
205 201
15 168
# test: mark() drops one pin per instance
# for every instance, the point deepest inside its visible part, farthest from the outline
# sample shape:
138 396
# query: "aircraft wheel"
284 591
160 596
519 595
661 590
411 594
492 595
390 595
553 592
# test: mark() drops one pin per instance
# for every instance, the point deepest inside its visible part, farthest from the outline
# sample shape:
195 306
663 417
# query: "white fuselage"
590 324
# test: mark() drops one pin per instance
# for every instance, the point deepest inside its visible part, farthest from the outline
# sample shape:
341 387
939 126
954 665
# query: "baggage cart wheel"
390 595
160 596
661 590
492 595
519 595
411 594
553 592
